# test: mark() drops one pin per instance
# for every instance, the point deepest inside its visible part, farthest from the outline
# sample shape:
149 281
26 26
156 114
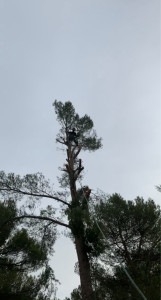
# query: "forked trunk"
84 270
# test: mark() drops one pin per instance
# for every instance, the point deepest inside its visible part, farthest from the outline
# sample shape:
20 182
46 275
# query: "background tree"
75 295
21 254
73 200
133 233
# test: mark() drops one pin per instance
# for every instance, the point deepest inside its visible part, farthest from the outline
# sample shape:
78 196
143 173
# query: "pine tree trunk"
84 270
83 260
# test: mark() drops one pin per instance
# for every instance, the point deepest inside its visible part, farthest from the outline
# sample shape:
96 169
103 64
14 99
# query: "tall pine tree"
86 239
76 134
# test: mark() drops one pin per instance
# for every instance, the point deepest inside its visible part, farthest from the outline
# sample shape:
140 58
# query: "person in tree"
72 135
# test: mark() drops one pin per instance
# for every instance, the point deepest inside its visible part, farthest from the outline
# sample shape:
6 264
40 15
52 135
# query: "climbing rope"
116 257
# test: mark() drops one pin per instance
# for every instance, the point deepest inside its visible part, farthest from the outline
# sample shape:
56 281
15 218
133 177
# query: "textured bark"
84 270
83 260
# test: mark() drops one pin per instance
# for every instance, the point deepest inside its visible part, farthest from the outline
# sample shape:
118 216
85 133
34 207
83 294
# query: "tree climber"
73 136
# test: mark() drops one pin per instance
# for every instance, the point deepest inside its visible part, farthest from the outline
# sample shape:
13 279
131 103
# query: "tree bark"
83 260
84 270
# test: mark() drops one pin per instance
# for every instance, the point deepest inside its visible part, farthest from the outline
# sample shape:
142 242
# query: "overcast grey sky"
103 56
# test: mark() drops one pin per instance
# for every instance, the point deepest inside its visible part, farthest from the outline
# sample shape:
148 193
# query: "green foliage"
7 211
93 240
132 228
128 219
75 295
16 187
78 214
68 119
75 217
65 113
20 286
20 254
31 250
118 286
82 225
158 188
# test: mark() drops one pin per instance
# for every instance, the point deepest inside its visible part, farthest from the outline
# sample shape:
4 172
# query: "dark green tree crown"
68 119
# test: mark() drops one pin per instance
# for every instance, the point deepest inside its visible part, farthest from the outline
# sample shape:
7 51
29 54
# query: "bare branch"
14 190
64 143
76 154
36 217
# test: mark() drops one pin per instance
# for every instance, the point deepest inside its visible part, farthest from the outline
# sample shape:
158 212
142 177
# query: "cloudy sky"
104 57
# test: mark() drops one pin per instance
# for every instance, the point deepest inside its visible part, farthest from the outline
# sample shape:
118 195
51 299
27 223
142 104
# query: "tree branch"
35 217
64 143
34 194
76 154
127 254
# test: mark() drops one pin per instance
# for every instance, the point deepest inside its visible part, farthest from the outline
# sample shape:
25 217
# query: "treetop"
68 119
